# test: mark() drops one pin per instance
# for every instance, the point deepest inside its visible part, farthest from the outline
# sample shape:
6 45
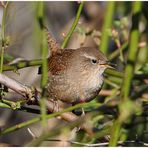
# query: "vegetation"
118 116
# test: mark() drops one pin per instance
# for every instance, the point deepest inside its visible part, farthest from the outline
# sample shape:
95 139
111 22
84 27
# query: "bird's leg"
81 111
55 105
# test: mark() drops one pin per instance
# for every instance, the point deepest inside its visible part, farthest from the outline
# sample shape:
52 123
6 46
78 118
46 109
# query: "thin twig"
105 92
59 129
117 52
67 38
31 133
65 114
29 93
86 144
23 64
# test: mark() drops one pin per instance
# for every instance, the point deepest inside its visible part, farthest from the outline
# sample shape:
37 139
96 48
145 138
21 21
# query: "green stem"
44 77
67 38
129 73
13 105
109 82
107 25
115 73
133 51
4 105
115 80
22 64
38 62
2 58
35 120
3 37
19 126
21 108
115 131
117 52
102 133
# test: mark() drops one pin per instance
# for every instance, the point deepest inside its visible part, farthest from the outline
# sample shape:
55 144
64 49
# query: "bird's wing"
59 62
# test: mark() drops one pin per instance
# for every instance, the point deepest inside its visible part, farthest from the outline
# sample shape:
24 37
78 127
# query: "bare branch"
29 93
32 96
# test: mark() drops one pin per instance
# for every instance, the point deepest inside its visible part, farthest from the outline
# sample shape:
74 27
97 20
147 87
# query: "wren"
76 75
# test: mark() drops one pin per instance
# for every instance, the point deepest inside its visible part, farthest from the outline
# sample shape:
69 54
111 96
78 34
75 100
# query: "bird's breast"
74 88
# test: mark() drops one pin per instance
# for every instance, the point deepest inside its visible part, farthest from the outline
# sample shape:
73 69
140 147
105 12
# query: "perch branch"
65 114
22 64
32 96
29 93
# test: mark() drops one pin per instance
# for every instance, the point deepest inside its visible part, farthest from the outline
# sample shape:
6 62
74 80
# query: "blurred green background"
119 29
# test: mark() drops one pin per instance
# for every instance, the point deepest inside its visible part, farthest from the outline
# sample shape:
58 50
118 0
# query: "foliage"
120 111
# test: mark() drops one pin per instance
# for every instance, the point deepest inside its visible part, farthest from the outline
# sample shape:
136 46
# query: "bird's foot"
83 112
55 105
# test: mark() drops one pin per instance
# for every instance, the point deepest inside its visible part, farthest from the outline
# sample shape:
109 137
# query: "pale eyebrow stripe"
88 56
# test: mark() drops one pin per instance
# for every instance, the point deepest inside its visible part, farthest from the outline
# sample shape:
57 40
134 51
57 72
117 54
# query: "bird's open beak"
108 64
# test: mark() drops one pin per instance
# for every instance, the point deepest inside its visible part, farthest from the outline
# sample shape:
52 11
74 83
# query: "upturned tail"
52 44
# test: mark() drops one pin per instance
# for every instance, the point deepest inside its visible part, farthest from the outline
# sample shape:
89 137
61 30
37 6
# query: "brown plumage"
59 62
52 44
76 75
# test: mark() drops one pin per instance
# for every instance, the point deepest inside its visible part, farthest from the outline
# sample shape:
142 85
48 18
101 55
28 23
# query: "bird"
76 75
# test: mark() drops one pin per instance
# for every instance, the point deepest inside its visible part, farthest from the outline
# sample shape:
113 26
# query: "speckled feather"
59 62
52 44
73 78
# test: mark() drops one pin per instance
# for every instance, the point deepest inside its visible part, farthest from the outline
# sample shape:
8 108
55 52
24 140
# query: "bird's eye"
94 61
